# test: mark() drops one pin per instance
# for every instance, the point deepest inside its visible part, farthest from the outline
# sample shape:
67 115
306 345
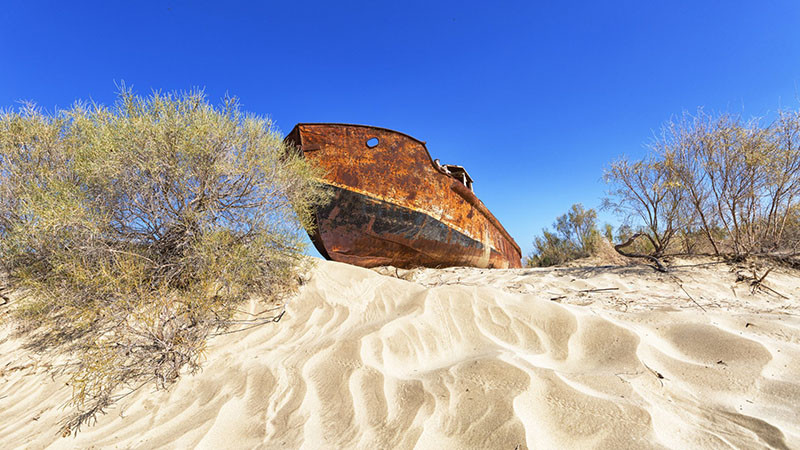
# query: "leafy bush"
133 233
576 236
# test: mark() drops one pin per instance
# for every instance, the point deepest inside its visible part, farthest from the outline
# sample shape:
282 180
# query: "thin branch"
658 265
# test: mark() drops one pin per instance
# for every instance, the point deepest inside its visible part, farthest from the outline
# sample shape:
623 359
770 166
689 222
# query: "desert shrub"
680 145
133 233
641 246
575 236
551 250
791 232
608 232
735 183
735 162
644 191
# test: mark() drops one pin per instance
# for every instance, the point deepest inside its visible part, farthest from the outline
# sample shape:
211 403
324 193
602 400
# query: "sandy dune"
469 358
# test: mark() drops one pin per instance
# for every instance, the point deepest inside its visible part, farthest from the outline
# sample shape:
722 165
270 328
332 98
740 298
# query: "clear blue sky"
533 98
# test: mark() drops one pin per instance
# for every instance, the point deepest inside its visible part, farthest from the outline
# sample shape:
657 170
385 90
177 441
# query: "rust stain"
392 204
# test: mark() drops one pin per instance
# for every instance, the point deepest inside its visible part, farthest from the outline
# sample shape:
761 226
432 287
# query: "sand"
580 357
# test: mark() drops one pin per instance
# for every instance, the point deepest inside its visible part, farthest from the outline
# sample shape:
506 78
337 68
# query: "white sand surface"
580 357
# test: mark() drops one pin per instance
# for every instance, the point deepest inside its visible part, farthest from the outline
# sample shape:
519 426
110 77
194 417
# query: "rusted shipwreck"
391 204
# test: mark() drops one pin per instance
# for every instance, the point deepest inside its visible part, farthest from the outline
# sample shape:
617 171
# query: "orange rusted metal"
391 204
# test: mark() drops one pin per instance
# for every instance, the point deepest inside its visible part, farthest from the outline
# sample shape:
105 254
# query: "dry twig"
757 282
680 284
600 289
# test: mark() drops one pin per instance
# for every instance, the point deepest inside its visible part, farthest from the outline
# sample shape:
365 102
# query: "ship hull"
363 230
389 205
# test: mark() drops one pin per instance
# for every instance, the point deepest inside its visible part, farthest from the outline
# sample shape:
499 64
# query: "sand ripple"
363 360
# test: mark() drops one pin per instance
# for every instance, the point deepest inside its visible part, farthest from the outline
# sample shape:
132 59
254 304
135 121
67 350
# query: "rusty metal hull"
390 205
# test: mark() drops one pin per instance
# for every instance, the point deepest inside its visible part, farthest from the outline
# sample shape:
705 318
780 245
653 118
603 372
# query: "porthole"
372 142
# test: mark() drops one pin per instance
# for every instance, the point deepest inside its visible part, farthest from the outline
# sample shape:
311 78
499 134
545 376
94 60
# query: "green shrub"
576 236
132 233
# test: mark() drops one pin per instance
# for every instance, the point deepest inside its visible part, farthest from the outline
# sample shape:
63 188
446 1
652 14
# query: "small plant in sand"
575 236
132 234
